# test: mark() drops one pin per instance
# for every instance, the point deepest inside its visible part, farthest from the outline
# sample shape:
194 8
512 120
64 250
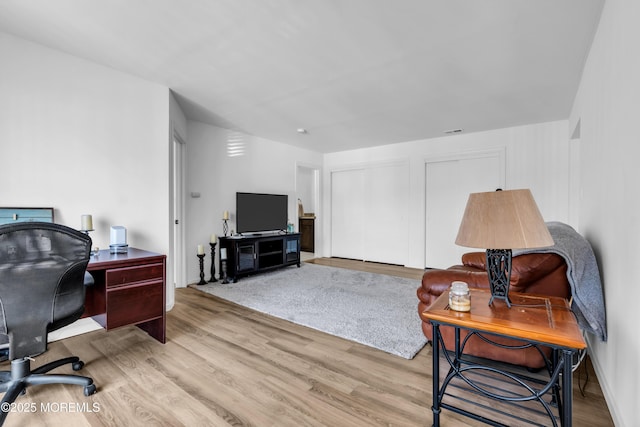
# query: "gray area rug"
372 309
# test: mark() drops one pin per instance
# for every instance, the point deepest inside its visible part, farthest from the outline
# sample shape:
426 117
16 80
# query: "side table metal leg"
435 336
458 352
567 388
556 399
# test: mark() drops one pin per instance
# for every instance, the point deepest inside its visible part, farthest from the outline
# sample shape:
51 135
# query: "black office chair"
42 276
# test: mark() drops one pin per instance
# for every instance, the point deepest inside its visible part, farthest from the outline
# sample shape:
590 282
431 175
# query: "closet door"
386 235
369 210
348 213
448 185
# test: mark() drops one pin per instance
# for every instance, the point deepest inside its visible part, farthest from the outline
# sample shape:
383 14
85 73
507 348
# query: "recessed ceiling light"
450 131
302 130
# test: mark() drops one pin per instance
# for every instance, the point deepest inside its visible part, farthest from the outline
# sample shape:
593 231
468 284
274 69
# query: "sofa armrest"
436 281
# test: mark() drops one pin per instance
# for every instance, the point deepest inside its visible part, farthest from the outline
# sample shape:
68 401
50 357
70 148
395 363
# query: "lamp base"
499 271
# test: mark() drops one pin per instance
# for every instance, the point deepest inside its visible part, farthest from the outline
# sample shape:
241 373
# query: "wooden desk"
129 289
534 320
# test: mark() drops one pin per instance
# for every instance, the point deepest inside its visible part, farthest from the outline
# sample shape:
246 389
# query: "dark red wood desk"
535 320
129 289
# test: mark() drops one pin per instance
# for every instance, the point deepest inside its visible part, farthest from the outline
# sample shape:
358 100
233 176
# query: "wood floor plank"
226 365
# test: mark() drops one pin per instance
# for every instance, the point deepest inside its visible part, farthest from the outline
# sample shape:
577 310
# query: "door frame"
177 235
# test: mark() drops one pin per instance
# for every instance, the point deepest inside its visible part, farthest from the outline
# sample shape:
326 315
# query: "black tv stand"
251 254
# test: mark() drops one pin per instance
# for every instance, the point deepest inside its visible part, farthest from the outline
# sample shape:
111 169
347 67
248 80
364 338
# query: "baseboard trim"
604 384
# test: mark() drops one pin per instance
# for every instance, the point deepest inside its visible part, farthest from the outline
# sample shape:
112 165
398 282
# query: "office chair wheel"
77 365
90 389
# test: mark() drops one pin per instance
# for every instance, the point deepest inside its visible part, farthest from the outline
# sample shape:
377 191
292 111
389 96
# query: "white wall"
606 107
262 166
178 119
536 158
83 138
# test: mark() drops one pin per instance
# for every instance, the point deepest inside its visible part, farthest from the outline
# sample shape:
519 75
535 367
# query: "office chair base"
15 382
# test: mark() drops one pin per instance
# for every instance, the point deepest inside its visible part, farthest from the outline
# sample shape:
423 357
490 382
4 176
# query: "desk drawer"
123 276
127 305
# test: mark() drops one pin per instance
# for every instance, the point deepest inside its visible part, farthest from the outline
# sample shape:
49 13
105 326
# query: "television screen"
261 212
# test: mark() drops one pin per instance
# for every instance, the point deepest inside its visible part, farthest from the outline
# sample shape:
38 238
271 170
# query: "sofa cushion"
540 273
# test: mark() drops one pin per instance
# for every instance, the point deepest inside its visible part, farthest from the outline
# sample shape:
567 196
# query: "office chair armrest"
88 279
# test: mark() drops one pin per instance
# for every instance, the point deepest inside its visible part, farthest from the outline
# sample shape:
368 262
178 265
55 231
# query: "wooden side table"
535 320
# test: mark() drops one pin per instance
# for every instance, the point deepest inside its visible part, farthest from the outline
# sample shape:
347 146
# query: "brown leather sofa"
537 273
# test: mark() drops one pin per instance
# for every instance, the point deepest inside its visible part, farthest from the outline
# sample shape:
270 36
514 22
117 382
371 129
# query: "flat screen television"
257 212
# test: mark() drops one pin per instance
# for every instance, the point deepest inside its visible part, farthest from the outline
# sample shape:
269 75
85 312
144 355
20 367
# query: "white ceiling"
354 73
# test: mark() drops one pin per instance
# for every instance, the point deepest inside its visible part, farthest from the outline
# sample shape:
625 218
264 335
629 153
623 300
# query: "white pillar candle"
87 222
214 238
200 250
225 215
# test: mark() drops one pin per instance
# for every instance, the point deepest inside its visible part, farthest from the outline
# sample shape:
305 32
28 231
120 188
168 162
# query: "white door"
347 214
369 213
177 185
386 236
448 185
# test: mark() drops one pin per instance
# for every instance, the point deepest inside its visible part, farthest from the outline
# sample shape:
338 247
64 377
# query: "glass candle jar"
459 297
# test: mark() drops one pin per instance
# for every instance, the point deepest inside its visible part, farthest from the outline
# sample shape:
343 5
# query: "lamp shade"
507 219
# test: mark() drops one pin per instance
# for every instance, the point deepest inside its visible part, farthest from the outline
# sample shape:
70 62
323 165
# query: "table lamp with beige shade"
500 221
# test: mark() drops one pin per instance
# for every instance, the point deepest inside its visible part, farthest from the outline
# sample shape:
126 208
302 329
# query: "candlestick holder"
225 227
94 251
202 281
213 263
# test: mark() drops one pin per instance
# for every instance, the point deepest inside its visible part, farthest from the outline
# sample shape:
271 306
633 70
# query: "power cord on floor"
586 380
581 355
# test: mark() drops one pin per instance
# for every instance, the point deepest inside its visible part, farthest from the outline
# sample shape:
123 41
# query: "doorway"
308 198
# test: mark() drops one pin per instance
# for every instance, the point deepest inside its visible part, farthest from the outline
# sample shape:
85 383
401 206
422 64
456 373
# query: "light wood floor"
228 365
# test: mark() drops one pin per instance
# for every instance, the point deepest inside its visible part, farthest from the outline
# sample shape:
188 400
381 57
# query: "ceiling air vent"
452 131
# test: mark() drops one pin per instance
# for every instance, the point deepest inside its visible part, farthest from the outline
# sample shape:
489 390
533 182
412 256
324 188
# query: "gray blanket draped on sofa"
583 275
